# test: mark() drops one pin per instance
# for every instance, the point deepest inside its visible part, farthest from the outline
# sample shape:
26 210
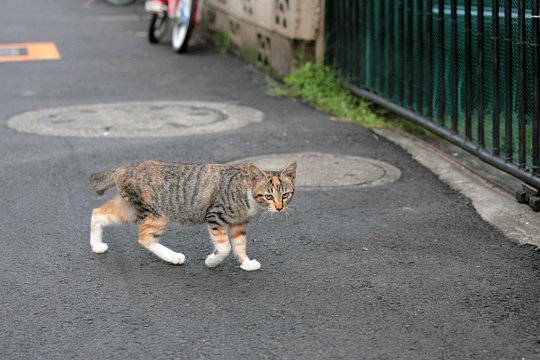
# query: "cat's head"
272 190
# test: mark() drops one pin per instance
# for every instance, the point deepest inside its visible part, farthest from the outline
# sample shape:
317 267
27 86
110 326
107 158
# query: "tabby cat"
225 197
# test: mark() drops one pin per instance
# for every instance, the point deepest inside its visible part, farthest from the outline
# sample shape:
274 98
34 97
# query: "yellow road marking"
28 52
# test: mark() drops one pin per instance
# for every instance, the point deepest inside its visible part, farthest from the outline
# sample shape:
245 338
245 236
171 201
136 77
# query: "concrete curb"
495 205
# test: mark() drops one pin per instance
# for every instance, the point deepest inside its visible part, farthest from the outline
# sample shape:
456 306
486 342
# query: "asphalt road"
405 270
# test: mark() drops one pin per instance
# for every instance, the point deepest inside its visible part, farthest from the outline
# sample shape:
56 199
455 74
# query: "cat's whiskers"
264 215
290 211
287 214
270 213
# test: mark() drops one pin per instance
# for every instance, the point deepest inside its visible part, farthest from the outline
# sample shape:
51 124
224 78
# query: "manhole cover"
136 119
327 170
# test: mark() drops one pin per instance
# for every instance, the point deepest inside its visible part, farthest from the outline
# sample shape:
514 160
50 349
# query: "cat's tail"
103 180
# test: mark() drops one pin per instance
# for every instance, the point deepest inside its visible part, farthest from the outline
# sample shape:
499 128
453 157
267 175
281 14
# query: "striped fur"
223 196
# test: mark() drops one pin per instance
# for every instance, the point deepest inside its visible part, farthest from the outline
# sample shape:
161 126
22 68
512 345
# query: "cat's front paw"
178 259
100 248
250 265
213 260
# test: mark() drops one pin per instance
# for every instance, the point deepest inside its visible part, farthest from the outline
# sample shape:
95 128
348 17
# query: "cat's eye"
268 197
286 195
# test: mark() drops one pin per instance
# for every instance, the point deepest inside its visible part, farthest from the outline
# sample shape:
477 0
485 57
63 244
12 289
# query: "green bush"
321 86
221 40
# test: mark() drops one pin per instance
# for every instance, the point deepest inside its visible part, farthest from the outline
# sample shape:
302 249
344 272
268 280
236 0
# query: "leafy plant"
321 86
221 40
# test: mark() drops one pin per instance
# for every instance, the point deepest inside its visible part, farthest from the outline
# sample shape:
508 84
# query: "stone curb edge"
495 205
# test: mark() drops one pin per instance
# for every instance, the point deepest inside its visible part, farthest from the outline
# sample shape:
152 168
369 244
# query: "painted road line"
28 52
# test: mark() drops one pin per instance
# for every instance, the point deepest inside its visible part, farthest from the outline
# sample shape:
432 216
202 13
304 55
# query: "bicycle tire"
159 24
120 2
184 24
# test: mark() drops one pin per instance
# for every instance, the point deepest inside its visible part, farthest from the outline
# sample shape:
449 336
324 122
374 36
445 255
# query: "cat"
225 197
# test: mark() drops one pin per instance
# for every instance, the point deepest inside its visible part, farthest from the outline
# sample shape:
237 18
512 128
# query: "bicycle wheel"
120 2
159 24
183 24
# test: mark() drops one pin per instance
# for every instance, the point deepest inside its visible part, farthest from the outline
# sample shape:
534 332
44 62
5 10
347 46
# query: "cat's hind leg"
222 247
114 211
238 237
149 231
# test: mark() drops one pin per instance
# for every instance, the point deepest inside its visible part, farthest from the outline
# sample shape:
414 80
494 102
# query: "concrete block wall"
270 33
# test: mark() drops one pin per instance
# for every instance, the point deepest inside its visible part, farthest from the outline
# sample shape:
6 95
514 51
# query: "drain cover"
28 52
328 170
136 119
14 52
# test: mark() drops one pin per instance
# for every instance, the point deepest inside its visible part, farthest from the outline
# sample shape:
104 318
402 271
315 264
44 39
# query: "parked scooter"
181 15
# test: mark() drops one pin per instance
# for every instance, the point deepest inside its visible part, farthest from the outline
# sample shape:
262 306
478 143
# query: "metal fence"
467 70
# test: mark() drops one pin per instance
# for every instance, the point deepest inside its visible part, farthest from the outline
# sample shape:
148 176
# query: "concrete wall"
270 33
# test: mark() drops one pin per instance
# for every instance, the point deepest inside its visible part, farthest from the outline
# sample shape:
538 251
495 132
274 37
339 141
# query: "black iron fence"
467 70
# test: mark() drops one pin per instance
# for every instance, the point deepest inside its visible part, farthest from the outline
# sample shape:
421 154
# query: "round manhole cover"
327 170
136 119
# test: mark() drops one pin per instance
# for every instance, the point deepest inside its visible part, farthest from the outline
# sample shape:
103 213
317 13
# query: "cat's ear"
289 171
256 175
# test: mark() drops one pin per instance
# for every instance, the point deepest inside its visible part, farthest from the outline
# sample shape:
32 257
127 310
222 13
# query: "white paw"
213 260
250 265
178 259
100 248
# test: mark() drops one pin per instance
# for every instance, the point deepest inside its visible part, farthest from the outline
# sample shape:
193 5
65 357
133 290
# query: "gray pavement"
403 270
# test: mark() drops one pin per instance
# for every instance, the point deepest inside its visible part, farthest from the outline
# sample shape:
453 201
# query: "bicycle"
184 17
